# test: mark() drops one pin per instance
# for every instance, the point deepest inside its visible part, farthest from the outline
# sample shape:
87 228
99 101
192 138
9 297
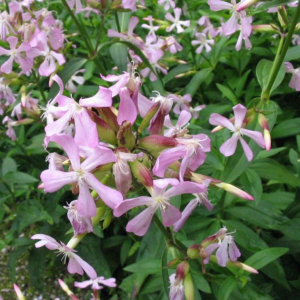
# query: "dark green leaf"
196 81
286 128
226 288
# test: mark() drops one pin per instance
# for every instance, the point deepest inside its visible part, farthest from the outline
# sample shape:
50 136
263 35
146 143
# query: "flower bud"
182 270
18 292
193 252
265 126
107 220
125 136
141 173
157 143
66 289
189 287
109 117
242 266
233 190
105 132
148 117
282 16
173 262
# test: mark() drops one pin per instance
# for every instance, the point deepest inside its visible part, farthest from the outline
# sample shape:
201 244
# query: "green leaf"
19 177
228 93
226 288
164 271
8 165
125 250
252 183
263 71
145 266
119 54
290 228
272 3
196 81
270 169
272 152
293 53
286 128
280 200
264 257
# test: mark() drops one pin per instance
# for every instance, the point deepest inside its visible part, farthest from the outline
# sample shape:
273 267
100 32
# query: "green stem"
85 39
38 84
9 189
171 242
280 56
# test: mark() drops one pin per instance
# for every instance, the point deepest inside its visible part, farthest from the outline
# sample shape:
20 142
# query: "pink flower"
201 198
168 4
173 45
203 42
176 288
151 37
82 175
191 150
16 54
229 147
176 21
232 25
182 102
75 265
122 171
80 224
295 80
180 129
160 199
96 283
5 25
225 245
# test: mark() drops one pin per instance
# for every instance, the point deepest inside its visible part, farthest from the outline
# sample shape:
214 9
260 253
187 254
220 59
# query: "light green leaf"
8 165
119 54
146 267
286 128
19 177
252 183
264 257
228 93
196 81
270 169
226 288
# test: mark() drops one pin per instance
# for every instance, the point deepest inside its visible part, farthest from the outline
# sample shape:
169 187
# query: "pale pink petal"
7 66
128 204
59 125
216 119
184 118
74 267
185 215
69 145
54 180
102 99
100 156
185 187
83 284
240 112
209 250
217 5
231 26
127 109
234 252
140 224
88 269
254 135
85 205
166 158
222 252
228 148
170 215
110 196
86 133
161 184
247 149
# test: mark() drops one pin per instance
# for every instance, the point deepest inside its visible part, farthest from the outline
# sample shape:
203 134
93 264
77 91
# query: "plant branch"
280 56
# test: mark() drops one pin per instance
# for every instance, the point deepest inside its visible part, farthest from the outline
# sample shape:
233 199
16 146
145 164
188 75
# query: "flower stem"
280 56
85 39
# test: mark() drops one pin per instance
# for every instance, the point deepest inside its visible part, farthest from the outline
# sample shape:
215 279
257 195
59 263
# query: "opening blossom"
229 147
96 283
160 199
225 245
75 265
